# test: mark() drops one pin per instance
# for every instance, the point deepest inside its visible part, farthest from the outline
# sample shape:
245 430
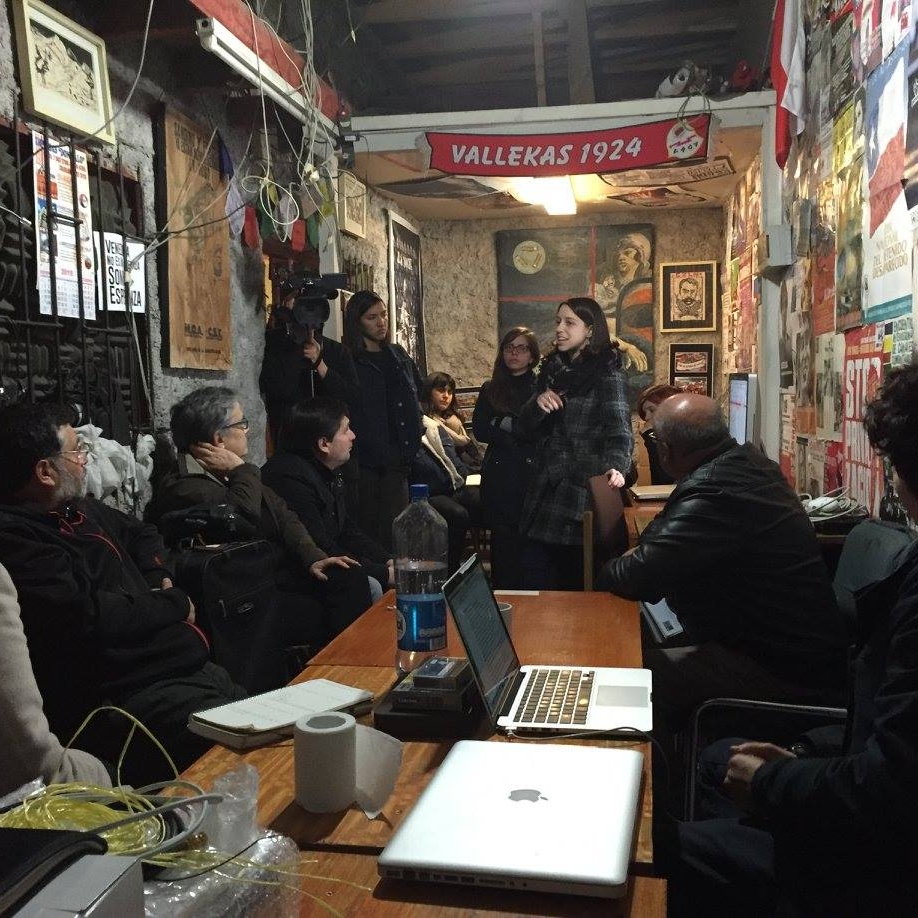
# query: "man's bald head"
688 427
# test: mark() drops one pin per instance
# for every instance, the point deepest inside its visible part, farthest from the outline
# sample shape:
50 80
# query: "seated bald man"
736 558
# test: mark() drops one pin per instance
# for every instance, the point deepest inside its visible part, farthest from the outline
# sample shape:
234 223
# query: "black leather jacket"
736 558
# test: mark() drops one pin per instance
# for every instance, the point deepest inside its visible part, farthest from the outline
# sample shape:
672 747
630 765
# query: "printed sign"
655 143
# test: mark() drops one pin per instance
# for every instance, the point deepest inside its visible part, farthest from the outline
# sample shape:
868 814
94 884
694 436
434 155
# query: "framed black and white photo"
688 296
63 70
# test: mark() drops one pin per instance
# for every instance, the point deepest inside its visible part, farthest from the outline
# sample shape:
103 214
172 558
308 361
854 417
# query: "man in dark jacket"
103 621
736 558
306 474
833 835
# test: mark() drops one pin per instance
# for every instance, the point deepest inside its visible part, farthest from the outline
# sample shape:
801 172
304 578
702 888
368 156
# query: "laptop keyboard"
556 696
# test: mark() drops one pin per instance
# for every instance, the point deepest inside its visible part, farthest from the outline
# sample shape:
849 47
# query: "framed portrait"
352 205
688 296
63 70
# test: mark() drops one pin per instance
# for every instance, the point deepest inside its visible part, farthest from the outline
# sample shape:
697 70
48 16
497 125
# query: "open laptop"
531 816
546 697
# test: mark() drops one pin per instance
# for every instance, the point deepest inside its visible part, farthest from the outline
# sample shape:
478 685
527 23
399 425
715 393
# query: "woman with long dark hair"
582 422
384 415
438 402
508 460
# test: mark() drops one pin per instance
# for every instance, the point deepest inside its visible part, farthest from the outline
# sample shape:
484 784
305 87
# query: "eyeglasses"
81 454
239 425
516 348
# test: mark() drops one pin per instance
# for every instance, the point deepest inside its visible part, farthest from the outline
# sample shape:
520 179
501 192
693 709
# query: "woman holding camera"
384 414
582 423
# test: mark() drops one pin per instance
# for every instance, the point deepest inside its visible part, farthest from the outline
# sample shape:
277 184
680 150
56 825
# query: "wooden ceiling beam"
494 70
391 11
579 58
481 37
683 23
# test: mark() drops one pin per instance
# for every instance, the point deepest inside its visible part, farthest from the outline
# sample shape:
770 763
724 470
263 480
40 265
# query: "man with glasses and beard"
104 623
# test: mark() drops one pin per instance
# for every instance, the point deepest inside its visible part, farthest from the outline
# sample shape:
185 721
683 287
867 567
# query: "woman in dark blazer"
582 422
508 460
384 414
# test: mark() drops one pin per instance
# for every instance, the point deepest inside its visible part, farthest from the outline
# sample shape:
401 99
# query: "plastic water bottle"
420 537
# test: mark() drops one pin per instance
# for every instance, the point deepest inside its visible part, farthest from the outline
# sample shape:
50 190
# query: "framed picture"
688 296
352 205
466 397
63 70
691 367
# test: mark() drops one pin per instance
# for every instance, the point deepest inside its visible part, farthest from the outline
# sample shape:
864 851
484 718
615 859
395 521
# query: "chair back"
873 551
605 534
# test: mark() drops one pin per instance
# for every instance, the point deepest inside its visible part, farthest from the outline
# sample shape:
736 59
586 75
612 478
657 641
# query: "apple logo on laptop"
526 793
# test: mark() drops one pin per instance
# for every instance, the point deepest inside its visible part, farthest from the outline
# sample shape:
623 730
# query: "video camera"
309 310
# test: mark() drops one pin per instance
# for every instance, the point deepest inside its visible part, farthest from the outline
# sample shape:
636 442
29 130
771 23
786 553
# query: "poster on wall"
114 289
824 259
887 228
805 373
830 352
406 291
896 22
788 437
73 255
191 196
868 37
842 72
863 374
539 268
849 250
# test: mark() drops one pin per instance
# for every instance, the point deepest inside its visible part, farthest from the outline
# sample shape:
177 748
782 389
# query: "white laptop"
523 816
545 697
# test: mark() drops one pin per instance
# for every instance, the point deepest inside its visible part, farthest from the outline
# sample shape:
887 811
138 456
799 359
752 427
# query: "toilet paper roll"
325 762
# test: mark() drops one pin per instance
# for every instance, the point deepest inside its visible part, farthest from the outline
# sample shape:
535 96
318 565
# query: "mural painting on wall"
539 268
406 296
192 192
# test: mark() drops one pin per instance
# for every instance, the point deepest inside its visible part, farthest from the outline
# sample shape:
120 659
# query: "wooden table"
638 516
582 628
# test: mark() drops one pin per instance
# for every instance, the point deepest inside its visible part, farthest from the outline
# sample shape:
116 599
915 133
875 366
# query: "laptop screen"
487 643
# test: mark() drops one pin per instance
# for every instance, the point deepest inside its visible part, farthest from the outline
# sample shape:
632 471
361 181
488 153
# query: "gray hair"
684 437
200 414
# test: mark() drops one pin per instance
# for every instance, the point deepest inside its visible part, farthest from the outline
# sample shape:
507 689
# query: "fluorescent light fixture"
217 38
554 193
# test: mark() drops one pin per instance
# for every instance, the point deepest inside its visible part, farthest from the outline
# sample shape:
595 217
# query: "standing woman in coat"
508 460
582 422
384 415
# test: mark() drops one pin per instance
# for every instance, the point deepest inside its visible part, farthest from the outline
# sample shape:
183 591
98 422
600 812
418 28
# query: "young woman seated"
439 466
438 402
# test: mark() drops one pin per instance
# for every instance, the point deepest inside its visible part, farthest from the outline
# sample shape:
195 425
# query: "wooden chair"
605 534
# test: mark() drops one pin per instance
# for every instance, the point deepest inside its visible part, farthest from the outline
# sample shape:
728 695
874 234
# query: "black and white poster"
406 292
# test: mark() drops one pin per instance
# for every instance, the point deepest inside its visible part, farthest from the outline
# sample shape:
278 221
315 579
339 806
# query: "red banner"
638 146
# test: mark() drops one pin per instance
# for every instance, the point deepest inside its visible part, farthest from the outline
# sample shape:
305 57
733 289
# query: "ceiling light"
555 193
218 39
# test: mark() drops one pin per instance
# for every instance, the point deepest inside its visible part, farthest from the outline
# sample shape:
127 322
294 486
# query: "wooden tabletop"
582 629
347 884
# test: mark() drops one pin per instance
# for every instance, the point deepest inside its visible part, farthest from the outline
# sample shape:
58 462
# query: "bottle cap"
418 492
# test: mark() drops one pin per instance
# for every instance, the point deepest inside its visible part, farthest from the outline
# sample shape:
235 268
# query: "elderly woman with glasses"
508 460
209 431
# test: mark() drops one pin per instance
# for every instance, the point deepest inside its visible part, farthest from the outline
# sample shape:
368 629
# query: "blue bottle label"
421 622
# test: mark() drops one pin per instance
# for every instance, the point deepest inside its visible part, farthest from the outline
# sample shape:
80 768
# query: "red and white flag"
788 75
